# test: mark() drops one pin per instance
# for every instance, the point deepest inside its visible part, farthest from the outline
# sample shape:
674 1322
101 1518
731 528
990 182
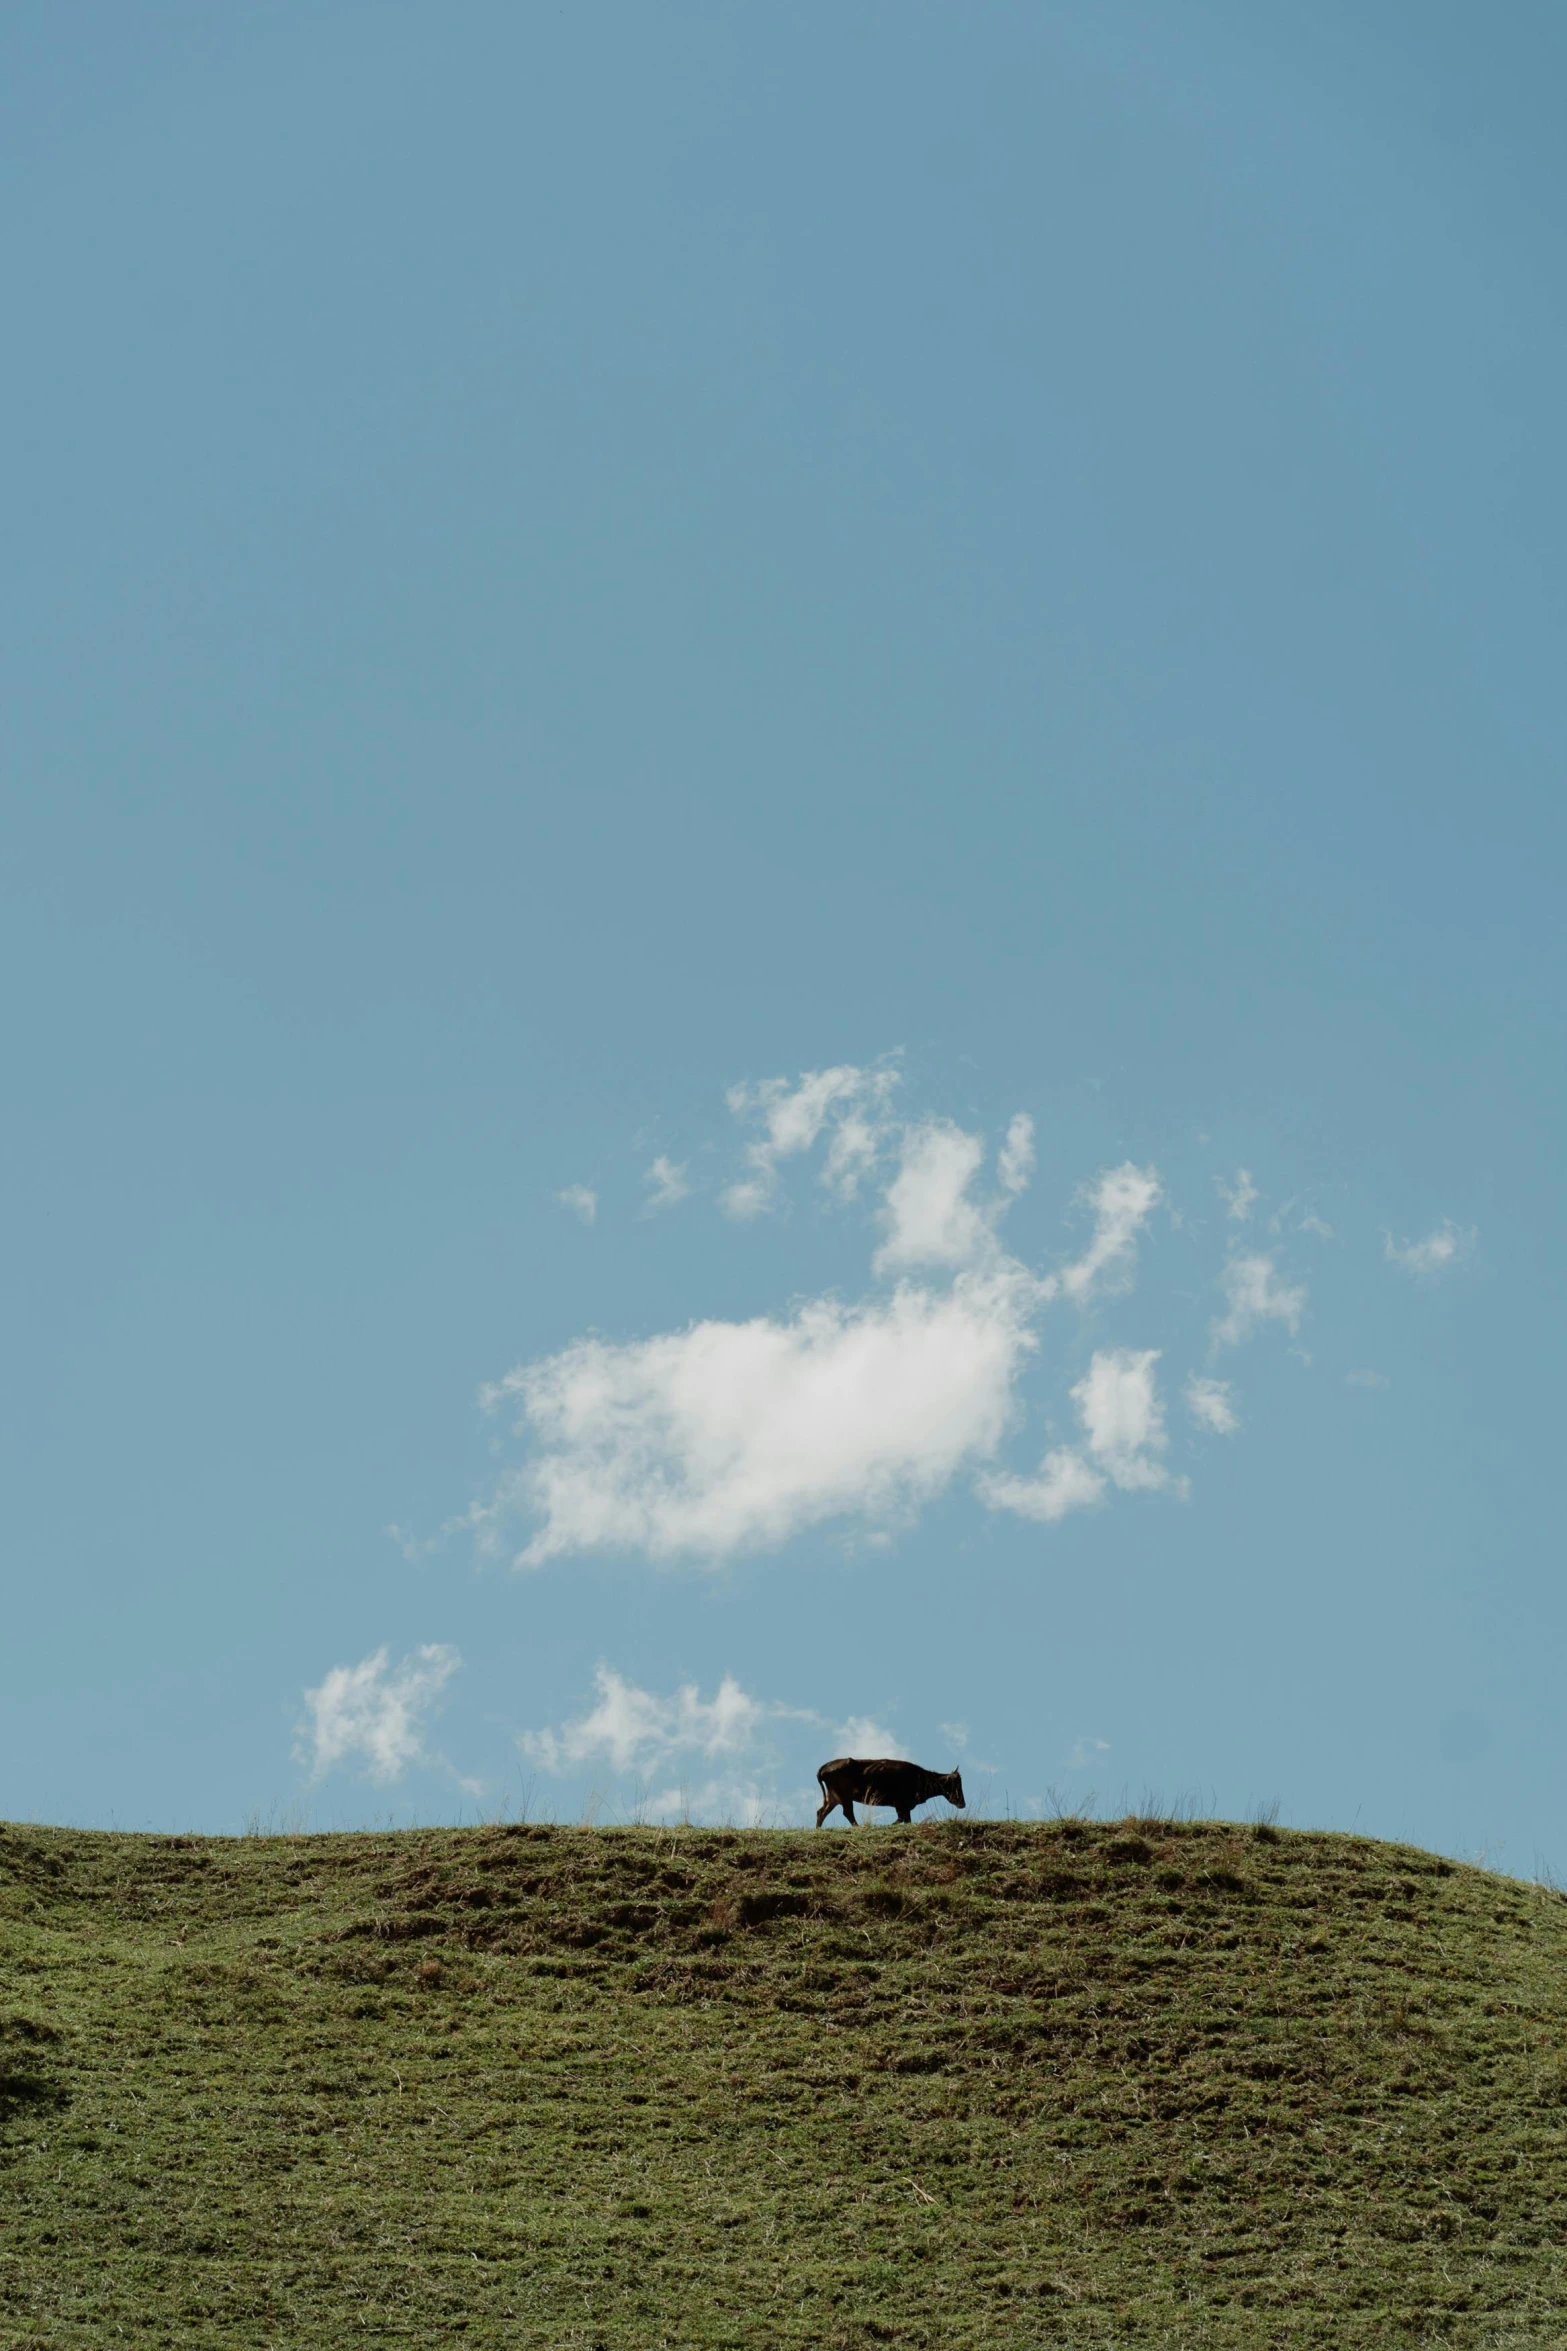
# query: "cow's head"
954 1790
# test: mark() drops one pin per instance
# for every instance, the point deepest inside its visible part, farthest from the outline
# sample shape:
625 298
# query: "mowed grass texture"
966 2083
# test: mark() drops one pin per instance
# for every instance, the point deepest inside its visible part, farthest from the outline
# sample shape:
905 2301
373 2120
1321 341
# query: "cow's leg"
905 1820
848 1811
828 1804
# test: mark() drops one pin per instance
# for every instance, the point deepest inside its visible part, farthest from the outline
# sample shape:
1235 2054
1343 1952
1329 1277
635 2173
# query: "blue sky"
783 829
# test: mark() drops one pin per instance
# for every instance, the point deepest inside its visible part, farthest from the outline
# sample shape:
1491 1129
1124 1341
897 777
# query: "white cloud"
1123 1200
375 1714
580 1201
1376 1380
1122 1415
1241 1197
930 1218
856 1141
1087 1751
1254 1294
638 1731
1123 1423
793 1116
1210 1405
633 1727
1447 1246
1016 1162
1065 1482
729 1435
668 1183
862 1734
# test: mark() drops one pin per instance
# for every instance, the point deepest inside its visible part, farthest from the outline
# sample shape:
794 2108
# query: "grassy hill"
968 2083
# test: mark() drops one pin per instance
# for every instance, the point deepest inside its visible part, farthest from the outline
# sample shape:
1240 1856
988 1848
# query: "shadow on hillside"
27 2087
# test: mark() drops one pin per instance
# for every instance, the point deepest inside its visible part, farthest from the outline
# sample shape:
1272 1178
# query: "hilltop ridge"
969 2083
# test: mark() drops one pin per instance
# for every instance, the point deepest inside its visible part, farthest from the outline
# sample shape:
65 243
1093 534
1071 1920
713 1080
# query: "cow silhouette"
853 1779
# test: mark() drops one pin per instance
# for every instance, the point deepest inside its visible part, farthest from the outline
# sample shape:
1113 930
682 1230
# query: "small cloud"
1311 1222
1208 1402
955 1734
1241 1197
1123 1424
1086 1751
632 1727
1121 1412
1065 1482
1123 1200
1254 1294
862 1734
1367 1379
375 1713
668 1184
1016 1162
1447 1246
930 1218
580 1201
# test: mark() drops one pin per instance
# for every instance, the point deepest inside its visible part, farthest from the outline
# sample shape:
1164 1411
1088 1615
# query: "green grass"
968 2083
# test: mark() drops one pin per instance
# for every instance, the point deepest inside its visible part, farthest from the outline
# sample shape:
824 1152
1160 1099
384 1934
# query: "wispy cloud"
1241 1197
1255 1294
1448 1245
1122 1200
667 1185
580 1201
792 1114
1015 1163
375 1714
1211 1405
1375 1380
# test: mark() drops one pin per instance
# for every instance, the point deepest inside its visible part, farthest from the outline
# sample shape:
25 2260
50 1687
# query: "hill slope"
969 2083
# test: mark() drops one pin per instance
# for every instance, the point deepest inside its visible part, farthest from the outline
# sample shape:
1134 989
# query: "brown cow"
851 1779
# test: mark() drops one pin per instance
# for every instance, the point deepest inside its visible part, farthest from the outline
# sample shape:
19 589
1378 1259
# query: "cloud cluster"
375 1714
734 1737
732 1436
849 1104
